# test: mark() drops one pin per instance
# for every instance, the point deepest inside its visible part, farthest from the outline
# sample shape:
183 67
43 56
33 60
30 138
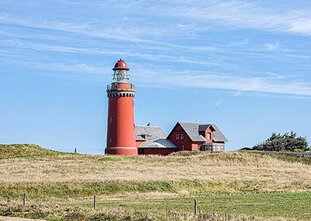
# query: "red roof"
120 65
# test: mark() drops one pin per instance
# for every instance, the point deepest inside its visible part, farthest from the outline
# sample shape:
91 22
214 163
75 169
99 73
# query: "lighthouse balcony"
121 87
120 90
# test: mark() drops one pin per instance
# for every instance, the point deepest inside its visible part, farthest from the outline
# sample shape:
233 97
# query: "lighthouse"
121 125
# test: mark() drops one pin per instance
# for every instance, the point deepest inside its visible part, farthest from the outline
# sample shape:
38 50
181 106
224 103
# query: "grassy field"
267 205
240 186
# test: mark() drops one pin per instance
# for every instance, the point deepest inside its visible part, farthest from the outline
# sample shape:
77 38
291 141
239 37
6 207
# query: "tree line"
283 142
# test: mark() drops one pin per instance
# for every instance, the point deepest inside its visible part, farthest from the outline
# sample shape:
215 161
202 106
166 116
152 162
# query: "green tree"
285 142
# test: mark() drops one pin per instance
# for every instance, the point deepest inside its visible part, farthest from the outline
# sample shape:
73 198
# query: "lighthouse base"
121 151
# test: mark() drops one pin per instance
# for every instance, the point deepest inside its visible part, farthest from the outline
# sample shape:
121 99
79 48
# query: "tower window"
177 137
110 140
110 119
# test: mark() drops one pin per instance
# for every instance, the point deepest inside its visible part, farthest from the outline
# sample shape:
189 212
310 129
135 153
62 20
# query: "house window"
177 137
182 147
209 136
181 136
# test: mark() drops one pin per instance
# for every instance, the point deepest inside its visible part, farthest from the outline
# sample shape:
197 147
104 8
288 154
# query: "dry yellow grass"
270 174
2 218
54 181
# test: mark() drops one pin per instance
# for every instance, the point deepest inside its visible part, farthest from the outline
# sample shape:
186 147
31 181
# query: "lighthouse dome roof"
120 65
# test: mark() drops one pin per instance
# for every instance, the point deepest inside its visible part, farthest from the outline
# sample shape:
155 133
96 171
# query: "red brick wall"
121 126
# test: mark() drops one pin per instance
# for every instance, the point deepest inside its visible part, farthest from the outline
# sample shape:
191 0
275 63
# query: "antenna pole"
195 106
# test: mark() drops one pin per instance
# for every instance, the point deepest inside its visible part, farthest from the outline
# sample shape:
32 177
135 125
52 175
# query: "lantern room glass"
121 76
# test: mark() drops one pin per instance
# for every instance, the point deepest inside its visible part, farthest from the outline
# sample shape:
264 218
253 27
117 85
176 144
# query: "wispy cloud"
110 52
271 46
239 84
153 77
133 34
175 32
237 93
82 68
219 102
248 14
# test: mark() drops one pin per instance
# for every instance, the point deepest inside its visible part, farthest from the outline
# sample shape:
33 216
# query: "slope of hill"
24 150
28 166
56 180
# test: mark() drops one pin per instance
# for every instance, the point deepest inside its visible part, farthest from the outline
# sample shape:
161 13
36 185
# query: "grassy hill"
24 150
243 185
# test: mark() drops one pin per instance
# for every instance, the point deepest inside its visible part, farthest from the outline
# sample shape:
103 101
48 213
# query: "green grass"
286 205
262 206
43 211
25 151
82 189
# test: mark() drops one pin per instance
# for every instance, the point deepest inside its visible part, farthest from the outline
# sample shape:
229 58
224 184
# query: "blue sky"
244 65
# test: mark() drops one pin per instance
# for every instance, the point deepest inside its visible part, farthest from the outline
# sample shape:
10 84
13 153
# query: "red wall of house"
155 151
186 141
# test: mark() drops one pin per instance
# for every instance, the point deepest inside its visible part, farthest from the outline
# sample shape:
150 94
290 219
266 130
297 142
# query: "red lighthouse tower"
121 127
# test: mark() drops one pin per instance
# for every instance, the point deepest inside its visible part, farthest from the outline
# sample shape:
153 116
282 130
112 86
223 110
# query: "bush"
285 142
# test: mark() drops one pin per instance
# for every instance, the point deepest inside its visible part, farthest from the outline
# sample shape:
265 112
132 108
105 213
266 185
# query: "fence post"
24 199
94 202
195 207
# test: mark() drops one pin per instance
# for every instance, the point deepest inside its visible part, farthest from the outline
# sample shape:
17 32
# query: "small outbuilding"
152 140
